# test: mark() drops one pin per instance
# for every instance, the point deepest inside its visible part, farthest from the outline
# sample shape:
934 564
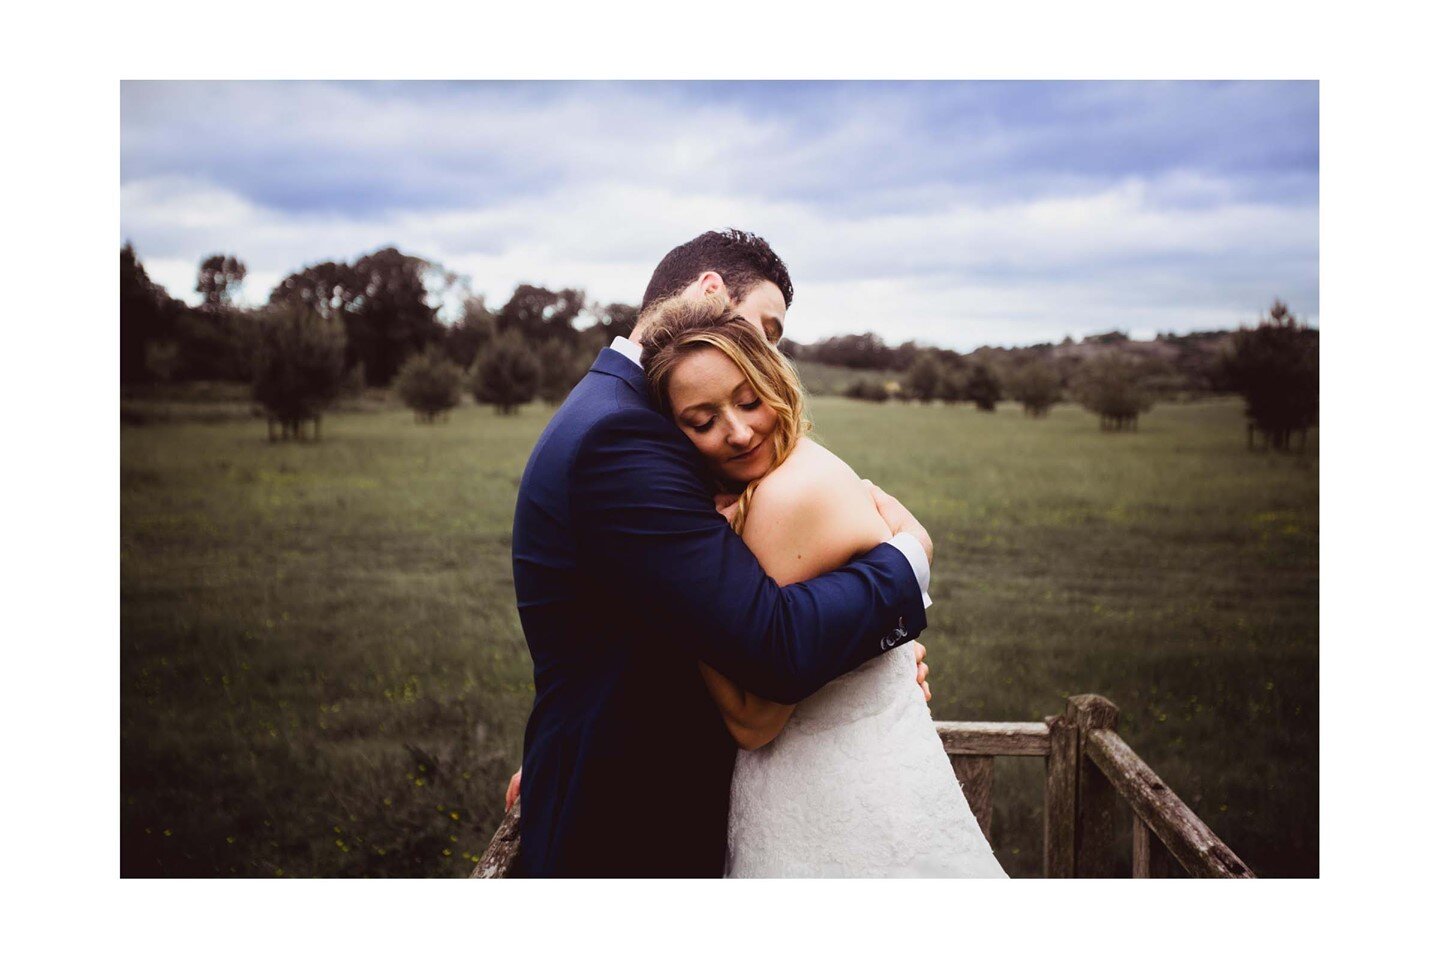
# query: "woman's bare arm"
811 516
752 721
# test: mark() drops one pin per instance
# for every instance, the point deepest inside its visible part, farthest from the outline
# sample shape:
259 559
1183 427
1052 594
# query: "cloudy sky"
955 213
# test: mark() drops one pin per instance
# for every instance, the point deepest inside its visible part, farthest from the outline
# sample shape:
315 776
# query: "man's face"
764 306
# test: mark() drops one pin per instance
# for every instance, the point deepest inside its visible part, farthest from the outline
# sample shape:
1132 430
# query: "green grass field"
323 672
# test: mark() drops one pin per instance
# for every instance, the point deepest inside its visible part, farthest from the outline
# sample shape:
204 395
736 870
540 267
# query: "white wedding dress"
856 784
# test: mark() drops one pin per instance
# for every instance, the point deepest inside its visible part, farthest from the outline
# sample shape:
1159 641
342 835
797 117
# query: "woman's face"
722 415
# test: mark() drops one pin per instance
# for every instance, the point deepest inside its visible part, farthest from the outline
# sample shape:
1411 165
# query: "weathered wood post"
500 856
1095 798
1173 833
1149 859
977 777
1060 765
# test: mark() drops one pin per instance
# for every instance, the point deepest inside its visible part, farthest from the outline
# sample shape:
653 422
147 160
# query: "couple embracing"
719 613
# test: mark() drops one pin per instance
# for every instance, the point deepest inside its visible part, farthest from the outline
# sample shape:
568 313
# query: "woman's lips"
748 453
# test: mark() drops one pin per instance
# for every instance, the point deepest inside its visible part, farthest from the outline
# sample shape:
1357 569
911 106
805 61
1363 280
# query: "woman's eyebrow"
712 405
699 406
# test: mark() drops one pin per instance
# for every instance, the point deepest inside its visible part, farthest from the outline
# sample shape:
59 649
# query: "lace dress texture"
857 784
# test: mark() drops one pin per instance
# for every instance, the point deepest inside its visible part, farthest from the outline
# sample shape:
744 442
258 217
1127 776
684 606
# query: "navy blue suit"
625 576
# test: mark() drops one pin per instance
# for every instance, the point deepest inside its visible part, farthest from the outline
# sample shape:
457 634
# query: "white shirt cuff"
915 553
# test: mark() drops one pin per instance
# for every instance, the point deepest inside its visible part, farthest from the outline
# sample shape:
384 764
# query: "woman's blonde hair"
673 328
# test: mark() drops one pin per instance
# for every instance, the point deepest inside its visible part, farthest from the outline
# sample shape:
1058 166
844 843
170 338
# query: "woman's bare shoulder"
810 469
815 484
812 515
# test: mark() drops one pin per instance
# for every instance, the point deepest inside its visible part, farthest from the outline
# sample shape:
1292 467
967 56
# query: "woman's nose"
739 434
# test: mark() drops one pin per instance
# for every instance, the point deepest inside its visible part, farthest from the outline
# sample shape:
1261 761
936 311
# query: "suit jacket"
625 576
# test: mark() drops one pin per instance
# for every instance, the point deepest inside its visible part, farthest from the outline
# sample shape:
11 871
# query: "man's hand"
922 670
512 792
899 519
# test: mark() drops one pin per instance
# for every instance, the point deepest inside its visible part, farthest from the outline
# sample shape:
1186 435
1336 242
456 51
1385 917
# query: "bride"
852 781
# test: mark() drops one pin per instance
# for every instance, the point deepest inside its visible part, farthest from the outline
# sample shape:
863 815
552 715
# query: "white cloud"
589 188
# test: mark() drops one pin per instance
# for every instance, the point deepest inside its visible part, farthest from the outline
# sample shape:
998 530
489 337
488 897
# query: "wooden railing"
1089 773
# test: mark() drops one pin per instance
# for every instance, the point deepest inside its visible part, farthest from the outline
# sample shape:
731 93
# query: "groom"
626 576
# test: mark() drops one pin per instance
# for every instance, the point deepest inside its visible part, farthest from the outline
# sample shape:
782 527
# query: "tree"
982 387
953 381
219 280
903 356
926 376
538 314
383 301
1276 367
148 320
299 367
1113 338
395 318
1036 385
1112 385
465 339
618 319
429 383
561 367
214 338
507 374
329 289
858 351
214 343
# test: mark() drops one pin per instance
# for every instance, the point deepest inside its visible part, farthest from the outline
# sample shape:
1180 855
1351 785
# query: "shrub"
506 374
1035 385
429 384
867 390
982 387
952 385
561 367
1112 385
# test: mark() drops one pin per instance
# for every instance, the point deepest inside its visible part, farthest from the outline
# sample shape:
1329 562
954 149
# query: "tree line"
1275 366
337 326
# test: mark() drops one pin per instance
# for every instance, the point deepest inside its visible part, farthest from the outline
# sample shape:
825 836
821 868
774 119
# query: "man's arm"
644 520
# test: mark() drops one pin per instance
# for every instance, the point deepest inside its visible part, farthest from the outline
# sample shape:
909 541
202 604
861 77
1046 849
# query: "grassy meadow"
323 673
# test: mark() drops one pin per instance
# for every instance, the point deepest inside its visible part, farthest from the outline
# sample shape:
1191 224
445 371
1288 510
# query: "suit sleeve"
644 518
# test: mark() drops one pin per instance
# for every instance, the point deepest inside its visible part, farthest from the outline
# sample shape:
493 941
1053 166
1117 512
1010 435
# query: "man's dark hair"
742 259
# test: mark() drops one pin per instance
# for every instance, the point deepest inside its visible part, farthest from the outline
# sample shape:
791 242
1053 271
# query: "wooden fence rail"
1089 773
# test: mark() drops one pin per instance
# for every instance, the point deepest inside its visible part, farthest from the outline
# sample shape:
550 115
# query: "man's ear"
710 282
